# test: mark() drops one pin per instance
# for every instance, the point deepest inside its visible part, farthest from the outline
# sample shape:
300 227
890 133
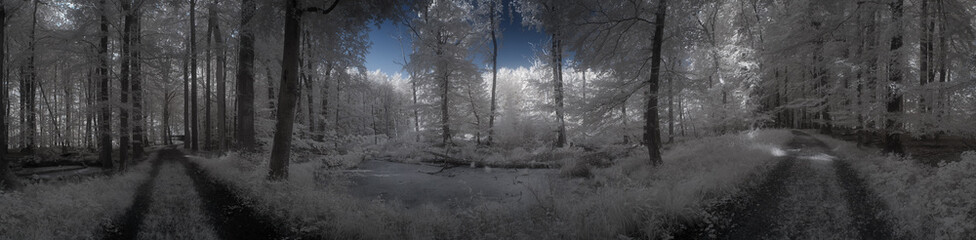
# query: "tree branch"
322 11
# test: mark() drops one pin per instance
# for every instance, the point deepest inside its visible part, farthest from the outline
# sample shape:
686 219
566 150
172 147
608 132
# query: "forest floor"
180 201
810 195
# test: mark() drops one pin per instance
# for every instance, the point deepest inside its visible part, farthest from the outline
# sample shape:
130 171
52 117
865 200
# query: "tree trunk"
652 128
29 106
557 75
194 130
271 94
445 117
894 100
186 103
923 67
221 86
208 80
494 74
670 109
105 113
245 81
124 108
7 179
287 97
138 119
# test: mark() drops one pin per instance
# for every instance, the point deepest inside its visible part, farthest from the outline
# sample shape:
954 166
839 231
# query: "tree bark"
208 80
105 113
652 128
221 85
194 130
670 109
557 75
494 74
287 96
186 102
29 104
138 119
7 179
894 107
245 81
124 85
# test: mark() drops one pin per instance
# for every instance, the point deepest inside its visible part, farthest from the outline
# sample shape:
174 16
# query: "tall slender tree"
7 179
124 85
221 84
105 112
245 80
894 99
652 127
138 118
28 104
194 130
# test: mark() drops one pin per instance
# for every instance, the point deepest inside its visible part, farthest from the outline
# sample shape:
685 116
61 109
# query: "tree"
221 90
245 80
652 127
194 130
28 92
493 21
287 97
442 37
138 117
7 179
354 14
105 112
894 99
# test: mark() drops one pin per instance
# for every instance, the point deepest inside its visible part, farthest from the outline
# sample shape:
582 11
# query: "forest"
499 119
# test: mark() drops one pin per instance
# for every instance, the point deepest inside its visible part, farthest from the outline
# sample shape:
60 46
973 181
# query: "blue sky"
515 48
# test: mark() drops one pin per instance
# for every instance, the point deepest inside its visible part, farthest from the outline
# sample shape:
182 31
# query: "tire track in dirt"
127 227
808 195
233 217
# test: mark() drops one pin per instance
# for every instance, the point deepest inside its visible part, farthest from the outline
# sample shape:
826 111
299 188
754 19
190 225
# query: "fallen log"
455 161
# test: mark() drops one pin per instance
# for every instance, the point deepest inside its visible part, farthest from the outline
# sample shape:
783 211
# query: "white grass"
620 200
175 211
925 202
74 210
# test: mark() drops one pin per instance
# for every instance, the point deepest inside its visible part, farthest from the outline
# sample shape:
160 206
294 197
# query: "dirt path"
810 195
180 201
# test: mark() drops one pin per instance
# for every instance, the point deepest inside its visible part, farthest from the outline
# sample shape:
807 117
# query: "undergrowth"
925 202
628 199
72 210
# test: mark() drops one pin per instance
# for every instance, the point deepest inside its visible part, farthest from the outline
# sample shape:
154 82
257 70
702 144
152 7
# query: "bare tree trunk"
670 109
186 103
245 81
652 128
194 130
923 67
105 113
208 80
30 107
7 179
894 100
494 74
271 94
221 86
124 84
138 118
557 75
281 147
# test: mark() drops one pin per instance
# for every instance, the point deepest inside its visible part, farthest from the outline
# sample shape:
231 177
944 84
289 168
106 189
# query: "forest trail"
180 201
810 195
